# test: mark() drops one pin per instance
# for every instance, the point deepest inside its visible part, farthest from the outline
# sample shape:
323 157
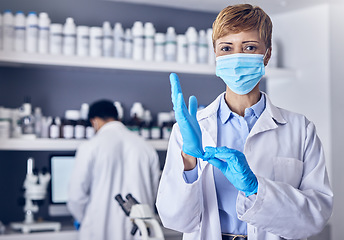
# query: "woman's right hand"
187 121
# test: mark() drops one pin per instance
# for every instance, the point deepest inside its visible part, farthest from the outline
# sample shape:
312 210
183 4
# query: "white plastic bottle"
107 39
118 44
138 47
192 37
43 32
55 39
96 35
19 31
211 53
149 32
7 30
128 44
82 41
31 33
1 35
69 37
202 47
182 49
170 45
159 47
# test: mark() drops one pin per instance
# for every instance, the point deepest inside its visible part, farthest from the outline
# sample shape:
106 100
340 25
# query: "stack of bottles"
26 123
142 123
36 34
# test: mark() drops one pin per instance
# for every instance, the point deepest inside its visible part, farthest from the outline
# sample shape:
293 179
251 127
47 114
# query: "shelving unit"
46 60
42 144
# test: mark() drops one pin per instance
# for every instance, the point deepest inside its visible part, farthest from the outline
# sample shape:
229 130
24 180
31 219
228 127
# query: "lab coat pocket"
288 170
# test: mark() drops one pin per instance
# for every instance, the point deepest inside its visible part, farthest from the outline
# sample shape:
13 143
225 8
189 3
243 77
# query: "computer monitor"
61 167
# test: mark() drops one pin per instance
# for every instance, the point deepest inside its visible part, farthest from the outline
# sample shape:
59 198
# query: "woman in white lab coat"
270 180
115 161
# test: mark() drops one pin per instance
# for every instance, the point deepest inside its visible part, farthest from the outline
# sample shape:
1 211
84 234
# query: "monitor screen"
61 168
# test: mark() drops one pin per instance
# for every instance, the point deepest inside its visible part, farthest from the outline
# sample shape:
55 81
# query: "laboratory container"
211 52
182 48
31 42
55 39
43 32
69 37
170 45
107 40
118 44
96 35
159 47
1 36
149 32
202 47
7 30
192 38
128 44
138 42
82 41
19 32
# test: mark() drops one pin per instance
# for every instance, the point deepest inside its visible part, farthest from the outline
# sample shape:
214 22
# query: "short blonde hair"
242 17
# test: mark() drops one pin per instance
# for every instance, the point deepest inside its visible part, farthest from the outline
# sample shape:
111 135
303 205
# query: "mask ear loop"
265 54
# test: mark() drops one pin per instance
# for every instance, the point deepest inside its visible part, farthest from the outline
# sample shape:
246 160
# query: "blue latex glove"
76 224
189 127
234 167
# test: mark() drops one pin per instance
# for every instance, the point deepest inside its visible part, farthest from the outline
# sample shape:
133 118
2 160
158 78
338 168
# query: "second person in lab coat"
243 168
115 161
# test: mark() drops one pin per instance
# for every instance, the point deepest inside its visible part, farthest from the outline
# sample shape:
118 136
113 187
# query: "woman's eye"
250 49
225 49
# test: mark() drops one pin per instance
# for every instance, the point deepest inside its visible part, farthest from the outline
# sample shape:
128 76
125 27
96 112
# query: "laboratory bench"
67 232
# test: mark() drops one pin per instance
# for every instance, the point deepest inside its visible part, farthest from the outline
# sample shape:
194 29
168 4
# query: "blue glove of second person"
189 127
234 167
76 224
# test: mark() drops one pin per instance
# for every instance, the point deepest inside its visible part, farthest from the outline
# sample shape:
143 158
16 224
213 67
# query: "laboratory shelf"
42 144
45 60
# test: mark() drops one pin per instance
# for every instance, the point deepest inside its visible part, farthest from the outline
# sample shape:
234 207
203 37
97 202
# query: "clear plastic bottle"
55 39
138 47
149 32
90 132
128 44
107 39
38 122
54 128
7 30
170 45
82 41
182 49
43 32
69 37
192 37
96 42
46 122
202 47
19 31
118 44
120 110
159 47
211 53
31 33
147 125
69 123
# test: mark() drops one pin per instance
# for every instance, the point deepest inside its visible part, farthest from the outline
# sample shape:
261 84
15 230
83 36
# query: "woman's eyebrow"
225 43
250 41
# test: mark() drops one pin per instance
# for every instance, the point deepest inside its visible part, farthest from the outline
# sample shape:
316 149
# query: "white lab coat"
114 161
294 199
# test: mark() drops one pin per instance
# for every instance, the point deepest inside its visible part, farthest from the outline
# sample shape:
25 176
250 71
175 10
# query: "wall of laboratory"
303 37
337 113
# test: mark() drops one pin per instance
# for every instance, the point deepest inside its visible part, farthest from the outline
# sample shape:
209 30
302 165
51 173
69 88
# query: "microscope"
142 217
35 186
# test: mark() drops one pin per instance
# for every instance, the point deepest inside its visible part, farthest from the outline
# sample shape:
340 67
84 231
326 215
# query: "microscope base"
36 226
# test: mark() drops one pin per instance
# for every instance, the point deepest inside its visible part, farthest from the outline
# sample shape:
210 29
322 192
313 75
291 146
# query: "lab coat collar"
112 124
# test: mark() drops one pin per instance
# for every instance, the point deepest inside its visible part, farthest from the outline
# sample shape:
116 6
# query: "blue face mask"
240 71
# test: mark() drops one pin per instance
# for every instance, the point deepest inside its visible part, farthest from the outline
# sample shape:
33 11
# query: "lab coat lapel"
269 119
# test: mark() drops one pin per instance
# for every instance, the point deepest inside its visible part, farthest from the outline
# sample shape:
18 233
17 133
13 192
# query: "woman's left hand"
234 167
